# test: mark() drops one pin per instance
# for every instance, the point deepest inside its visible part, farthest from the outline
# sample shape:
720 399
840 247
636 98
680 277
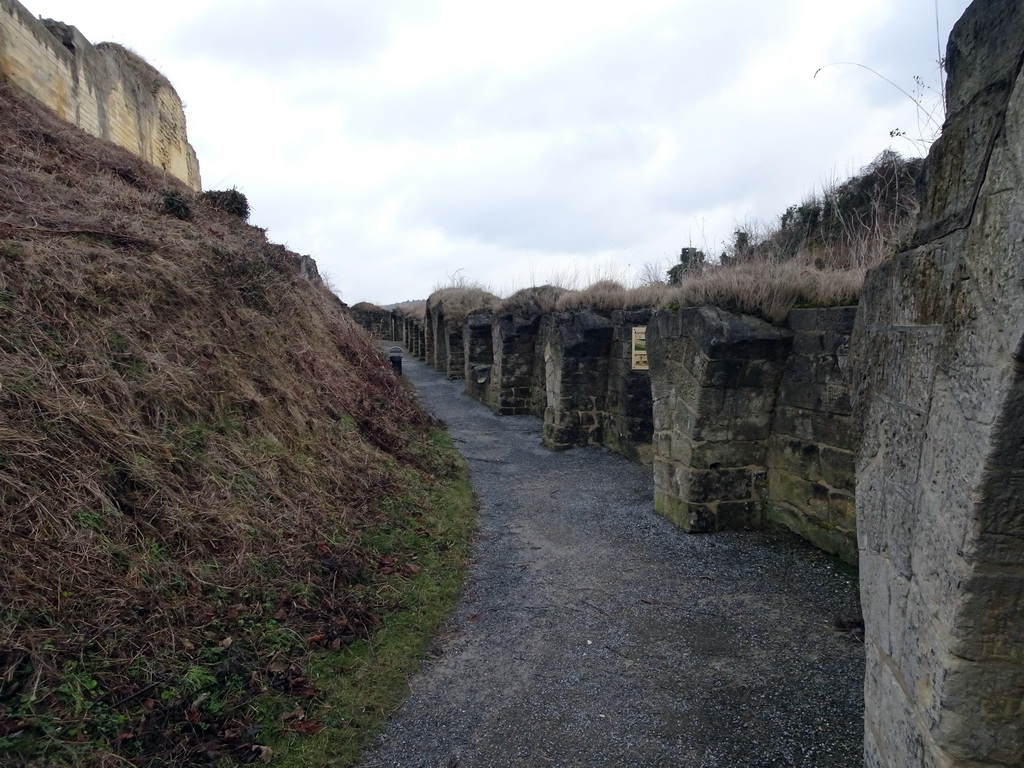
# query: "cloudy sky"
407 143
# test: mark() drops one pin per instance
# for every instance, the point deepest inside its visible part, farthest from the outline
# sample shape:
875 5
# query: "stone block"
714 485
808 425
833 319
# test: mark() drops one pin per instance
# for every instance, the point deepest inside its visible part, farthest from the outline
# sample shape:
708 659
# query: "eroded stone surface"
811 451
478 352
939 502
714 379
576 359
629 421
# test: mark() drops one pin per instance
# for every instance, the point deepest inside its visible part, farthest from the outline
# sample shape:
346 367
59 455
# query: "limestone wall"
811 448
105 89
939 348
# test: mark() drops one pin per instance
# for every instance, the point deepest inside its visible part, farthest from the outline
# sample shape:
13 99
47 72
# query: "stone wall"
538 394
375 321
478 352
576 358
452 362
437 347
514 340
413 336
939 347
812 449
629 420
105 90
714 379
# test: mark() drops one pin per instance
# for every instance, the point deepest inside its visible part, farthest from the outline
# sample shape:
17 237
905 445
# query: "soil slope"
196 444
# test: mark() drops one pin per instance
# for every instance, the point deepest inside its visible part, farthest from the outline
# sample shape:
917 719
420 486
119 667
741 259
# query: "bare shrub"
228 200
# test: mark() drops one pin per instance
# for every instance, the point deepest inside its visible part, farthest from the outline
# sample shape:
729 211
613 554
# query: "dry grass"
768 289
607 295
192 438
417 311
457 301
543 298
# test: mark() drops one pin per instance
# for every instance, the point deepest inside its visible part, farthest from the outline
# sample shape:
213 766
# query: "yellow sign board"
640 348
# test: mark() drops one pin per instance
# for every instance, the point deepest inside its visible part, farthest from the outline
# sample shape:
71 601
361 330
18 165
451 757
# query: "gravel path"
595 633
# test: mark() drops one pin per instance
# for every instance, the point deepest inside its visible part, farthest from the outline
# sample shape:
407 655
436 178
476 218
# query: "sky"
409 144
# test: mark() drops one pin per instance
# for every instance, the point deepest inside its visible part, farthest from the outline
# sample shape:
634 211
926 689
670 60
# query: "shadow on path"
595 633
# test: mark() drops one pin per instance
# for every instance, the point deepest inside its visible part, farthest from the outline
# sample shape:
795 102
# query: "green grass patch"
361 685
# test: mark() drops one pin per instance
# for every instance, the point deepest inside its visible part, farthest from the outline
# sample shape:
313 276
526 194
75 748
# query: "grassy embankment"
228 530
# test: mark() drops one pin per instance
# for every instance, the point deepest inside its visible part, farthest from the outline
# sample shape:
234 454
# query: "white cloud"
400 141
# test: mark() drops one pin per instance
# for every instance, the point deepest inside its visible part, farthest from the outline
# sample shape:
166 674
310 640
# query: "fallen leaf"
316 639
281 614
187 645
413 568
310 728
226 642
149 705
263 754
296 714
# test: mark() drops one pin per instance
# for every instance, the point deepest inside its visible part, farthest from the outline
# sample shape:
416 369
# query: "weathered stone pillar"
427 328
537 391
629 426
812 450
453 365
514 335
576 361
939 345
714 377
478 349
419 339
437 340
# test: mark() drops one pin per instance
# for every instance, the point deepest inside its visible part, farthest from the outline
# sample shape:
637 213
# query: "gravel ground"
595 633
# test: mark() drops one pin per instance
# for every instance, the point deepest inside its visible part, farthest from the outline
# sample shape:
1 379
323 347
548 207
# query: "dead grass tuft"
768 289
608 295
458 301
540 299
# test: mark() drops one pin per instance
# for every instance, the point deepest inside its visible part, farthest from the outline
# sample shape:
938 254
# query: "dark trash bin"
395 356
